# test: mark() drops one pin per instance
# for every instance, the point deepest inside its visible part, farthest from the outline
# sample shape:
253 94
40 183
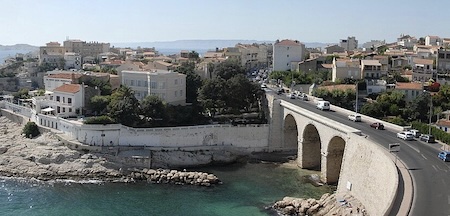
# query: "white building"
433 41
169 86
72 61
285 52
373 44
406 41
52 81
65 101
349 44
345 68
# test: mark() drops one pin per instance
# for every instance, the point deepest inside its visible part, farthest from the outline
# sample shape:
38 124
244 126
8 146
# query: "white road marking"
424 157
435 168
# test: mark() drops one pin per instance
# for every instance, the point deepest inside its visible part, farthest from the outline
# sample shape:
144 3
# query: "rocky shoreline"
46 158
328 204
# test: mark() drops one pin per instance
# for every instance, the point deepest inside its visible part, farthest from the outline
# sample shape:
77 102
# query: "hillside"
18 47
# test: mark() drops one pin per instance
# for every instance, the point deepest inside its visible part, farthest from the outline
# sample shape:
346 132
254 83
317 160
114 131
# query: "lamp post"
431 112
356 103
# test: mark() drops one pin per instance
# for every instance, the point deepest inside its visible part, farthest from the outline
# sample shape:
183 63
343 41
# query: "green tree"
193 81
153 108
99 104
30 130
22 94
242 94
213 95
124 106
104 86
228 69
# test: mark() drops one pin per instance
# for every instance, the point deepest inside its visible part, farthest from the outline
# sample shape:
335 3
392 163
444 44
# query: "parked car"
280 91
444 155
415 133
354 117
405 135
377 125
427 138
263 85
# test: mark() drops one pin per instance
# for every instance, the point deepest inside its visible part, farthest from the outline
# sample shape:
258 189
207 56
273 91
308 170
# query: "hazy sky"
37 22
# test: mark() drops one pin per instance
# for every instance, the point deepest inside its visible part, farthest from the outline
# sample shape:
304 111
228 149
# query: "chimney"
73 78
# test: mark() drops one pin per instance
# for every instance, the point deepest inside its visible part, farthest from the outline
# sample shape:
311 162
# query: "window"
138 83
57 98
69 100
131 82
288 56
64 110
181 93
162 85
176 81
64 99
176 94
153 85
70 109
58 109
287 48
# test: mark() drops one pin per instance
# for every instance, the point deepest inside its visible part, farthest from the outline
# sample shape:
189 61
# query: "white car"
405 136
354 117
291 96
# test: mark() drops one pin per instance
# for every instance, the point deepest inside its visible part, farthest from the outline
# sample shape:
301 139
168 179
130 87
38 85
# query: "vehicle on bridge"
444 155
323 105
405 136
354 117
302 96
377 125
291 96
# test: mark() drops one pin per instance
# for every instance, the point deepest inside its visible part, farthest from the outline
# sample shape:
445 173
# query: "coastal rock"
328 204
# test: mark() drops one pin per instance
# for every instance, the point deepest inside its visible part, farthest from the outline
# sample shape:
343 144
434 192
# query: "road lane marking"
424 157
435 168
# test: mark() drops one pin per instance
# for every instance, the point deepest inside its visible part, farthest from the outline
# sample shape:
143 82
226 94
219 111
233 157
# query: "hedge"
436 132
99 120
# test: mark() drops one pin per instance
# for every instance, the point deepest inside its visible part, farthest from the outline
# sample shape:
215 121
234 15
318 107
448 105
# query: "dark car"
377 125
427 138
280 91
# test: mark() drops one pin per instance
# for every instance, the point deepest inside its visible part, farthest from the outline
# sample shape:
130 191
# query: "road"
431 176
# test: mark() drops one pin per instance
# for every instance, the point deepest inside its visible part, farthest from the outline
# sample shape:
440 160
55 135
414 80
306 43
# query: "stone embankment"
327 205
47 158
164 176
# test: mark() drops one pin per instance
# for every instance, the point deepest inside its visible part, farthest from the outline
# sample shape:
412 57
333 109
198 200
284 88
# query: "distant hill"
19 47
199 44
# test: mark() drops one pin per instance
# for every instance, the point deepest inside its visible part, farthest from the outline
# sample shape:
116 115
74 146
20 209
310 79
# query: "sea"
247 190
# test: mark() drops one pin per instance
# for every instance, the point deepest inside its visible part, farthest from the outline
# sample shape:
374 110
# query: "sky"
327 21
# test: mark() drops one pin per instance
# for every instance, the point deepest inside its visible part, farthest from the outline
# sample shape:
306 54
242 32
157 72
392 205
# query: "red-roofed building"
53 81
410 90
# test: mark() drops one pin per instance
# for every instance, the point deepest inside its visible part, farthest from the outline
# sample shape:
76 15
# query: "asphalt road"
431 176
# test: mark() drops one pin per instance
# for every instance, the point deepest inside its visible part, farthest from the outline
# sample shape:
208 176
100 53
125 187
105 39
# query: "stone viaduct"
342 154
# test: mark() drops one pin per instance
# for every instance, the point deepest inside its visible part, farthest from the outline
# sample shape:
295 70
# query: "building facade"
345 68
349 44
169 86
285 52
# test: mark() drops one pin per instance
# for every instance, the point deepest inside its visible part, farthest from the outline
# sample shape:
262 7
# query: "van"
323 105
415 133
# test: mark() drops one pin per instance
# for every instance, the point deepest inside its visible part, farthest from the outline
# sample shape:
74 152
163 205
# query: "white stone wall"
371 175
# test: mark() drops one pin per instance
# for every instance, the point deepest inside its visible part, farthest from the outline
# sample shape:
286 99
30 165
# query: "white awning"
48 109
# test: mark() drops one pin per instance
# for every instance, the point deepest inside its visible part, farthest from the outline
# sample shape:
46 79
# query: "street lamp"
431 112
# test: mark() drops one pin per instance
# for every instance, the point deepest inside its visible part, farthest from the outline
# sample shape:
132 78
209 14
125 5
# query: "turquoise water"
247 189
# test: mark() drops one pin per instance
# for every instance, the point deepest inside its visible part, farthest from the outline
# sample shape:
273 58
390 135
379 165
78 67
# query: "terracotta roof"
288 43
328 66
409 86
423 61
65 75
68 88
443 122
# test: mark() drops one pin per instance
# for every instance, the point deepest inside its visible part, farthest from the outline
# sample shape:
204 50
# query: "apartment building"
349 44
345 68
167 85
285 52
422 70
54 80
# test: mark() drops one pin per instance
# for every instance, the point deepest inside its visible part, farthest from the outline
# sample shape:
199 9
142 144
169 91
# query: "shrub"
436 132
99 120
30 130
